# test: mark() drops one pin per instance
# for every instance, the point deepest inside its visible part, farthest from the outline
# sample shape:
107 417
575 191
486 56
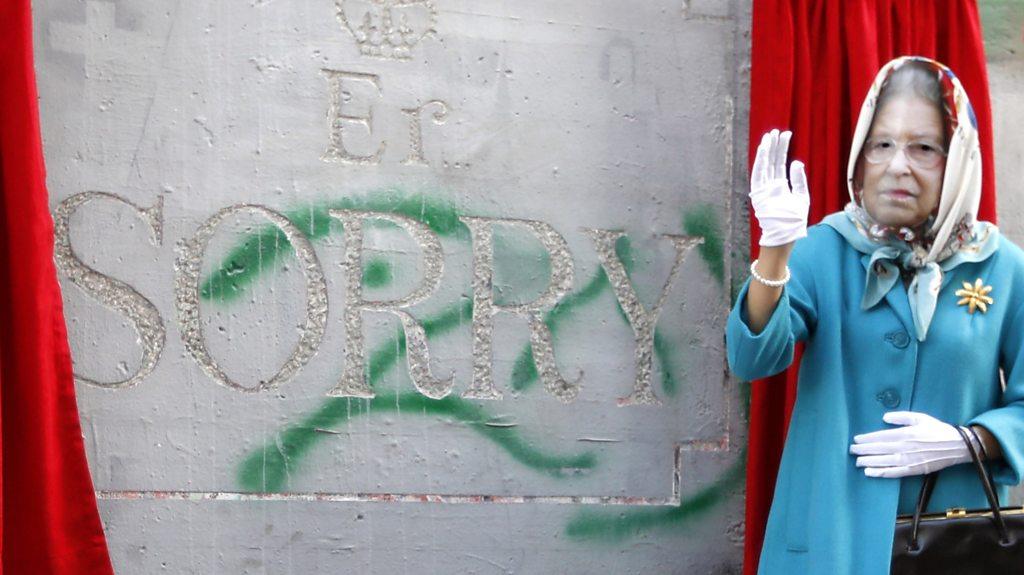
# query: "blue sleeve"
753 356
1006 422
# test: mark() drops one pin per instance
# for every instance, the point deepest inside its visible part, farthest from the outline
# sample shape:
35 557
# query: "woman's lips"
900 194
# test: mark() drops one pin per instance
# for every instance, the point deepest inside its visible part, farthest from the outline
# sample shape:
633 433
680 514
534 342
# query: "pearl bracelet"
769 283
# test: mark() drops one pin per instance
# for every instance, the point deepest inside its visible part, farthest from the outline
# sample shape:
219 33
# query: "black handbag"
965 542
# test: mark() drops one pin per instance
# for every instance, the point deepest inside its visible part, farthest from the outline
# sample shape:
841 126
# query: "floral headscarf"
951 235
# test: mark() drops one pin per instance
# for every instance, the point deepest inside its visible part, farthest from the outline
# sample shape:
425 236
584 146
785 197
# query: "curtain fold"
49 523
812 62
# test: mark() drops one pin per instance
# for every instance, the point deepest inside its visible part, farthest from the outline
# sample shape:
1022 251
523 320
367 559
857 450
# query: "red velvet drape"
812 62
48 514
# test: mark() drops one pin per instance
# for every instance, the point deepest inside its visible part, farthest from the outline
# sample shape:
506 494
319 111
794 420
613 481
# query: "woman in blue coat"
912 315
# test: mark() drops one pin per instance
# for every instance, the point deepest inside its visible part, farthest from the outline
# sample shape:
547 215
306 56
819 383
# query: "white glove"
922 446
781 213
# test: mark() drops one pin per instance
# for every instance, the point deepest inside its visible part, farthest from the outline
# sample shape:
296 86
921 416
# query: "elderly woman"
909 309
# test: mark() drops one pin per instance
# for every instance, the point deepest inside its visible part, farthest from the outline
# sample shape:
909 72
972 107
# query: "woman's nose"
900 163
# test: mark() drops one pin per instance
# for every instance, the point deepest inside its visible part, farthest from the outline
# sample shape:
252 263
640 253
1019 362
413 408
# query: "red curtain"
812 62
48 514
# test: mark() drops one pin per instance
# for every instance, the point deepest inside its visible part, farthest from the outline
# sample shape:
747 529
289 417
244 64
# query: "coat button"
890 398
898 338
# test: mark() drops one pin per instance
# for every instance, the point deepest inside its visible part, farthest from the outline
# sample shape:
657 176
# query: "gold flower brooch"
975 296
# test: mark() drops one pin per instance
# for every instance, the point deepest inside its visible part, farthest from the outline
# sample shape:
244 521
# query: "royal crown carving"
387 28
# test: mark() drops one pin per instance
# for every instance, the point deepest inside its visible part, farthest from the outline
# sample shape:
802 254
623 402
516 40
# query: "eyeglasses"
920 153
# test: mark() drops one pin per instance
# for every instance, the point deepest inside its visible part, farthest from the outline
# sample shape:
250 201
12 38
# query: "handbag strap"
922 503
986 482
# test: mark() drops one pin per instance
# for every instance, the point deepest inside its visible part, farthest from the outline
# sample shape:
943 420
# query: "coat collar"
896 297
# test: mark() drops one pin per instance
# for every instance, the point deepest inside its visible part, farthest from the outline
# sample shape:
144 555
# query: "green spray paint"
378 273
701 220
261 249
524 371
613 527
268 468
520 275
617 527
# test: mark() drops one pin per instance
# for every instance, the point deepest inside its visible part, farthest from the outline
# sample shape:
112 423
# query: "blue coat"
827 517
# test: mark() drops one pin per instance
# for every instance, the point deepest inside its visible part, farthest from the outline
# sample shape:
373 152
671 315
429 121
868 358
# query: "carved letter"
186 294
641 320
337 152
416 157
110 292
484 308
353 383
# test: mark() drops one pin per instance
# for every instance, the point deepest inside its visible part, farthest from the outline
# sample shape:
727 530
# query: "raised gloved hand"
781 212
923 445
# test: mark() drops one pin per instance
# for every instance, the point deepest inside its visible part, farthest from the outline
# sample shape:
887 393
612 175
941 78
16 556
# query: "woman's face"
899 192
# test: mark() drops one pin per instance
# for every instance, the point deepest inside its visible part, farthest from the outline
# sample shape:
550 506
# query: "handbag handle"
986 482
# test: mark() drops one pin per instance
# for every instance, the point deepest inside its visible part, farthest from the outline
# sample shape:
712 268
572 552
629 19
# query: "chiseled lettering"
115 294
484 308
353 382
186 294
336 151
641 320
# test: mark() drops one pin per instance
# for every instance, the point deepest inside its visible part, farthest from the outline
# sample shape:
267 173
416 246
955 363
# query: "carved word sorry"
148 323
